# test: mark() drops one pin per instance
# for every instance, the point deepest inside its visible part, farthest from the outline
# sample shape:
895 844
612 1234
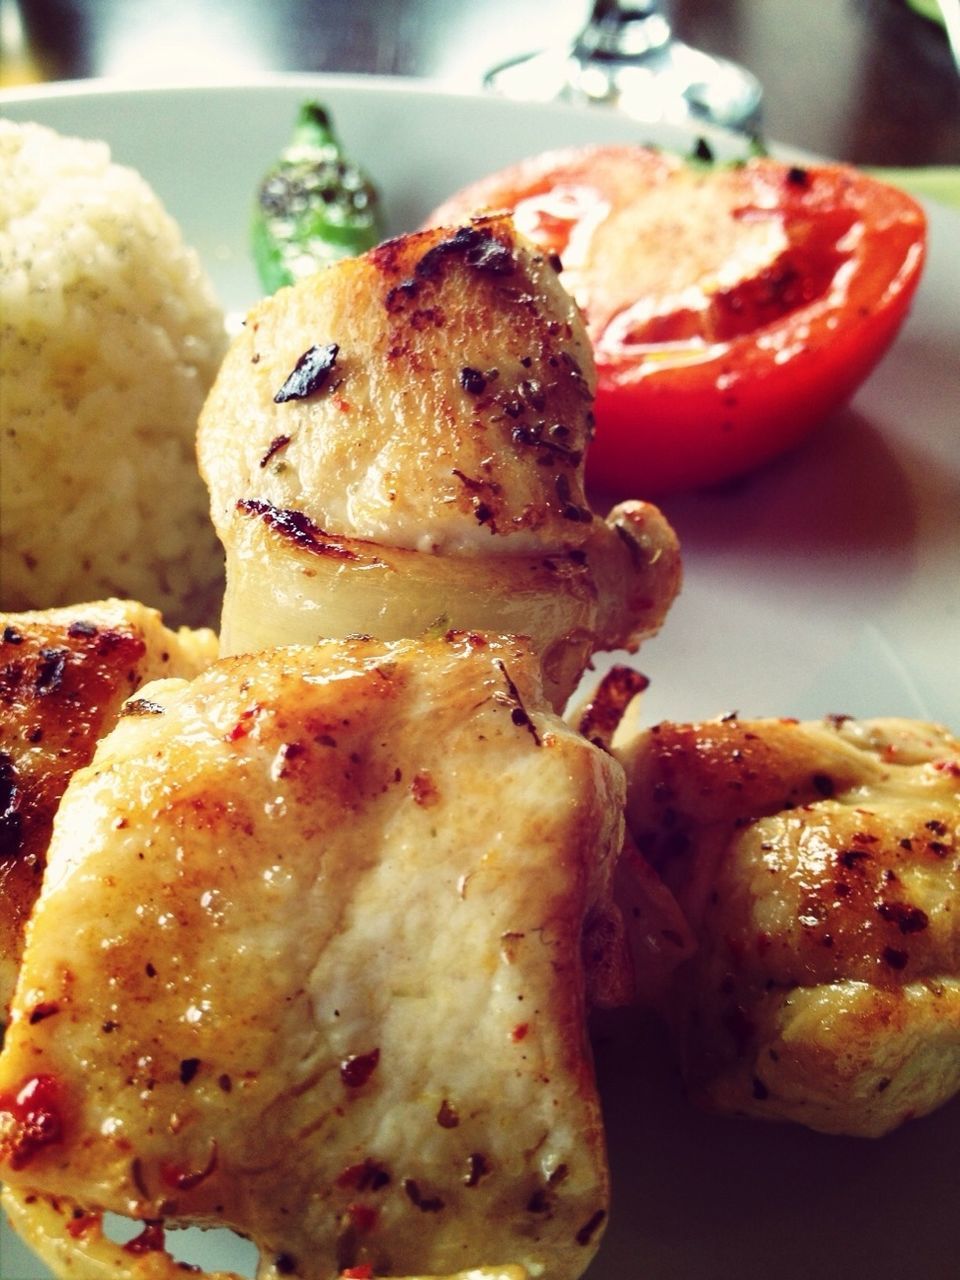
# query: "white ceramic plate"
829 582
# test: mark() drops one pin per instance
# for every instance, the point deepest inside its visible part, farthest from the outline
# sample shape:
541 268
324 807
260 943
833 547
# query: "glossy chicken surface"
399 441
333 916
460 390
818 865
64 674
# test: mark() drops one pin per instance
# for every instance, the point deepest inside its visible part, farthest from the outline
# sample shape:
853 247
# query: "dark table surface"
868 81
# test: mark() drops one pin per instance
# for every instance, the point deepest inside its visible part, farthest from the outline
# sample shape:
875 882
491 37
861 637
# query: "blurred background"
869 81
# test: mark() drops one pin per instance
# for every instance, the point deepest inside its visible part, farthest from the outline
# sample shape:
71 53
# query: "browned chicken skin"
819 868
64 674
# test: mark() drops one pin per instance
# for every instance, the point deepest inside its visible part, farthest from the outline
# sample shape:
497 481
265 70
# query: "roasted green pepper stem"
313 207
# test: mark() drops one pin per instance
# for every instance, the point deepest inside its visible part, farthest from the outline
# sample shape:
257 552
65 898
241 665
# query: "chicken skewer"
398 442
606 583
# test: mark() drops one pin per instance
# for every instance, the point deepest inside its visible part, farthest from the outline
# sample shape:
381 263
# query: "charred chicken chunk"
333 915
818 865
64 674
399 440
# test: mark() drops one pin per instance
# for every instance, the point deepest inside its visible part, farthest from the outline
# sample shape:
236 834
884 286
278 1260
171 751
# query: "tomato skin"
698 395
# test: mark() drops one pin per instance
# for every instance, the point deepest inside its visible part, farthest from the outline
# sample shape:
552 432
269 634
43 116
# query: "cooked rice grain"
110 337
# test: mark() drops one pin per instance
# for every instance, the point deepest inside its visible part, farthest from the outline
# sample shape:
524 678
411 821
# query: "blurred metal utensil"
627 56
950 9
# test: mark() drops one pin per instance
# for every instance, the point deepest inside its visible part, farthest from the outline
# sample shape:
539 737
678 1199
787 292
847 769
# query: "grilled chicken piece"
399 440
329 910
64 674
819 867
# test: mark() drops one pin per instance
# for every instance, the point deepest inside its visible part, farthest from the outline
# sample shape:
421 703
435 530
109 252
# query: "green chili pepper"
313 207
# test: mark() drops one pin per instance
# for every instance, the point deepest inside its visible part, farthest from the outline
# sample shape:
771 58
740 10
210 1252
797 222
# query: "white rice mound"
110 337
